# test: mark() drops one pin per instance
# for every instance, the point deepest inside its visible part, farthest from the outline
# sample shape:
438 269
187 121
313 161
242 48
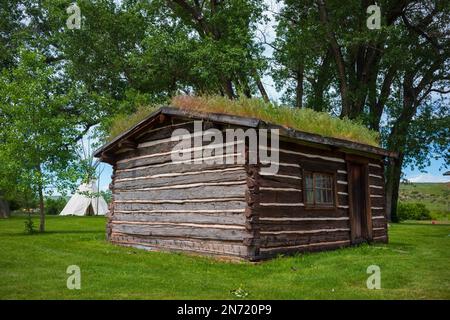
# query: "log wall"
378 201
159 204
232 210
286 225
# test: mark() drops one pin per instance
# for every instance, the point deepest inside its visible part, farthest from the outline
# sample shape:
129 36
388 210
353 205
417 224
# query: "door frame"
352 160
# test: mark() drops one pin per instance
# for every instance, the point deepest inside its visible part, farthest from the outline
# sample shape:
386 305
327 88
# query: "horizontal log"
315 231
379 223
214 190
304 155
165 131
379 232
376 181
211 218
376 191
299 212
178 224
185 232
278 182
271 252
183 179
377 202
302 226
227 205
281 195
322 151
190 245
343 200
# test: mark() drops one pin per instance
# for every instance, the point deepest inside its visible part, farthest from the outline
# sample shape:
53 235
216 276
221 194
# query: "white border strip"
375 176
272 204
279 189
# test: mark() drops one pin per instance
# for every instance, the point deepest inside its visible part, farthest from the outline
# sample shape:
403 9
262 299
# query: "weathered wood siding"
285 224
166 205
378 201
232 210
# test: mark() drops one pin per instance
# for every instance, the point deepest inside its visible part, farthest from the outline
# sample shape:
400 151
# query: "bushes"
413 211
53 206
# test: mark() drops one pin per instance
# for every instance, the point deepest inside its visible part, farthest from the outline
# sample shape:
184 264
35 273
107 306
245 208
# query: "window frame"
323 206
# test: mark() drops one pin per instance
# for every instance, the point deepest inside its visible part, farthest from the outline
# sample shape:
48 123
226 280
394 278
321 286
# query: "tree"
37 137
385 77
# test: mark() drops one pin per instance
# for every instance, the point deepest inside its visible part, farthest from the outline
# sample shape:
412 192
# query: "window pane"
309 195
323 188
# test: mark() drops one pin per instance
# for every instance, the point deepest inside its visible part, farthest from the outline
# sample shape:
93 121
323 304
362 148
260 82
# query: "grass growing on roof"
306 120
121 122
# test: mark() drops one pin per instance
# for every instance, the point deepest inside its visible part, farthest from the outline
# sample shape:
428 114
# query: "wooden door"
359 212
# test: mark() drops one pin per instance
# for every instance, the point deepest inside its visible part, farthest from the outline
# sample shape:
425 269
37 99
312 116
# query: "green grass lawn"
416 265
436 196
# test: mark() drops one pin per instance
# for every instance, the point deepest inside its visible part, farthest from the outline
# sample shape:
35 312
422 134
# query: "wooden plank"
299 212
187 232
300 226
179 244
211 218
207 191
272 252
183 179
281 196
228 205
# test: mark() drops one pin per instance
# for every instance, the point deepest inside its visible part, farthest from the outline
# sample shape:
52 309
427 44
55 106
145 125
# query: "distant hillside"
436 196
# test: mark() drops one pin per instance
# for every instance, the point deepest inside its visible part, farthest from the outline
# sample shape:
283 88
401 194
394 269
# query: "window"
319 189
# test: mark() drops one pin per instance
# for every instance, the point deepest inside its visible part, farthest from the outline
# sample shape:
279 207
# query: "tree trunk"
41 201
4 208
261 88
228 88
393 175
397 142
299 88
41 210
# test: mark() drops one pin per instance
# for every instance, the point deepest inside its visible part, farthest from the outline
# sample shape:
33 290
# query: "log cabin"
328 193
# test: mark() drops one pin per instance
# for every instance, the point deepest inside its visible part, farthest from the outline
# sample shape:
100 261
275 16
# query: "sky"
432 173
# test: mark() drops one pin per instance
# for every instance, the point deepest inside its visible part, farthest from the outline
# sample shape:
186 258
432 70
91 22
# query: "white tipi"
86 202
